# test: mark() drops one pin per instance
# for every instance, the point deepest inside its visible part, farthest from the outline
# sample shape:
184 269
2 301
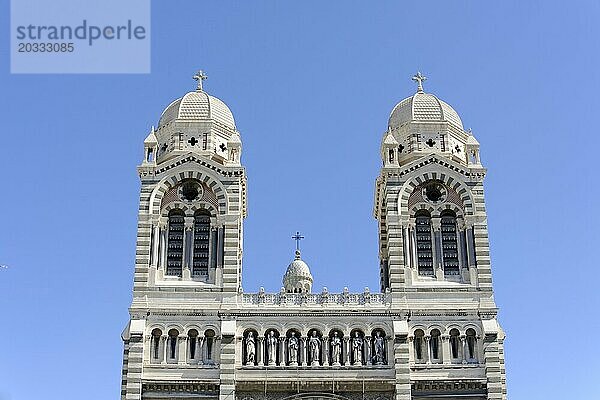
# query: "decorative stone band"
322 299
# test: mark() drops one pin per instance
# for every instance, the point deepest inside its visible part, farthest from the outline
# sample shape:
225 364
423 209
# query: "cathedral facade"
430 332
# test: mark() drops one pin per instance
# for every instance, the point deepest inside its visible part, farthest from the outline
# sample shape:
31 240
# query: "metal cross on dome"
200 77
419 79
297 237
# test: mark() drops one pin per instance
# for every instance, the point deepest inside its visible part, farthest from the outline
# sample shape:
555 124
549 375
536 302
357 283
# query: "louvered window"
175 243
424 245
201 244
449 244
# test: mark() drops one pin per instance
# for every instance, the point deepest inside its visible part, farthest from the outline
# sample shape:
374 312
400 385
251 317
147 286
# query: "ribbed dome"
297 276
423 107
198 106
298 268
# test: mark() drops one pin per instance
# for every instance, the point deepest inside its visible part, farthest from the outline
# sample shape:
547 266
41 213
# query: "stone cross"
419 79
200 77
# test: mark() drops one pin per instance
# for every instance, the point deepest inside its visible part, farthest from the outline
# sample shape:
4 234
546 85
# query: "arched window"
471 344
449 243
173 335
424 247
454 344
201 243
193 343
210 341
434 342
418 343
155 345
175 243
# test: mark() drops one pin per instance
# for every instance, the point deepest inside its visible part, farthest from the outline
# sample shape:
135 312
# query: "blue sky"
311 85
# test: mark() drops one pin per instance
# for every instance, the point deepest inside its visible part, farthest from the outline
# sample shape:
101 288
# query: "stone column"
162 247
463 348
216 354
427 353
412 357
282 360
438 267
155 245
303 351
165 349
367 345
346 353
406 246
199 349
260 350
182 349
413 245
325 350
188 245
445 349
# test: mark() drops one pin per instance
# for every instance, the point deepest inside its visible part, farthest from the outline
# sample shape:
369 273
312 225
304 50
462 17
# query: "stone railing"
319 299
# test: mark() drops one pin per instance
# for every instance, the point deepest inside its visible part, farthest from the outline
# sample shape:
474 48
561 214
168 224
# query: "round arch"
176 177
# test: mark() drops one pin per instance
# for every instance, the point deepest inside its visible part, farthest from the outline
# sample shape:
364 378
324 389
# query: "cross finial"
297 237
200 77
419 79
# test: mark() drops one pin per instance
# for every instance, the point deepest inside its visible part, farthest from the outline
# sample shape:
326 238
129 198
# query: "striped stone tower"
189 243
434 251
430 332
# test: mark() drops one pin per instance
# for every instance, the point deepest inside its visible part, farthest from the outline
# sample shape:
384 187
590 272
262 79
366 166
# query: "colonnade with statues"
315 348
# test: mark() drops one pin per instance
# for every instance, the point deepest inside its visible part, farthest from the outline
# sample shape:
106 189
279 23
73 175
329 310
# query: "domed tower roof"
195 106
297 278
420 125
200 123
423 107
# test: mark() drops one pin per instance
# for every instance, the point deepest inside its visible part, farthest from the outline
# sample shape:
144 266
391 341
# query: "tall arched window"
435 345
173 335
471 344
175 242
192 343
424 247
209 334
201 243
418 342
454 344
156 334
449 243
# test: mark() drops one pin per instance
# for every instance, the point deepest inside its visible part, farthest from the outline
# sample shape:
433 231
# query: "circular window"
190 191
434 192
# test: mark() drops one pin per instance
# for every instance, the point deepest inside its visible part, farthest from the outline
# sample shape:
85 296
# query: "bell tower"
190 228
429 198
433 236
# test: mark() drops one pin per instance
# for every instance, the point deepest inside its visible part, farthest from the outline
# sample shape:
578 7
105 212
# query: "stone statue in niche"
357 346
314 345
379 349
336 349
271 348
250 348
293 349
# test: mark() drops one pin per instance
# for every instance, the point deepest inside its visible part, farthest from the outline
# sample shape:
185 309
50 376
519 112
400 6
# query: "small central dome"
197 106
423 107
297 278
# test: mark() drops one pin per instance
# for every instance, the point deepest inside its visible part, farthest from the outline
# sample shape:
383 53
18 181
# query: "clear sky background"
311 85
